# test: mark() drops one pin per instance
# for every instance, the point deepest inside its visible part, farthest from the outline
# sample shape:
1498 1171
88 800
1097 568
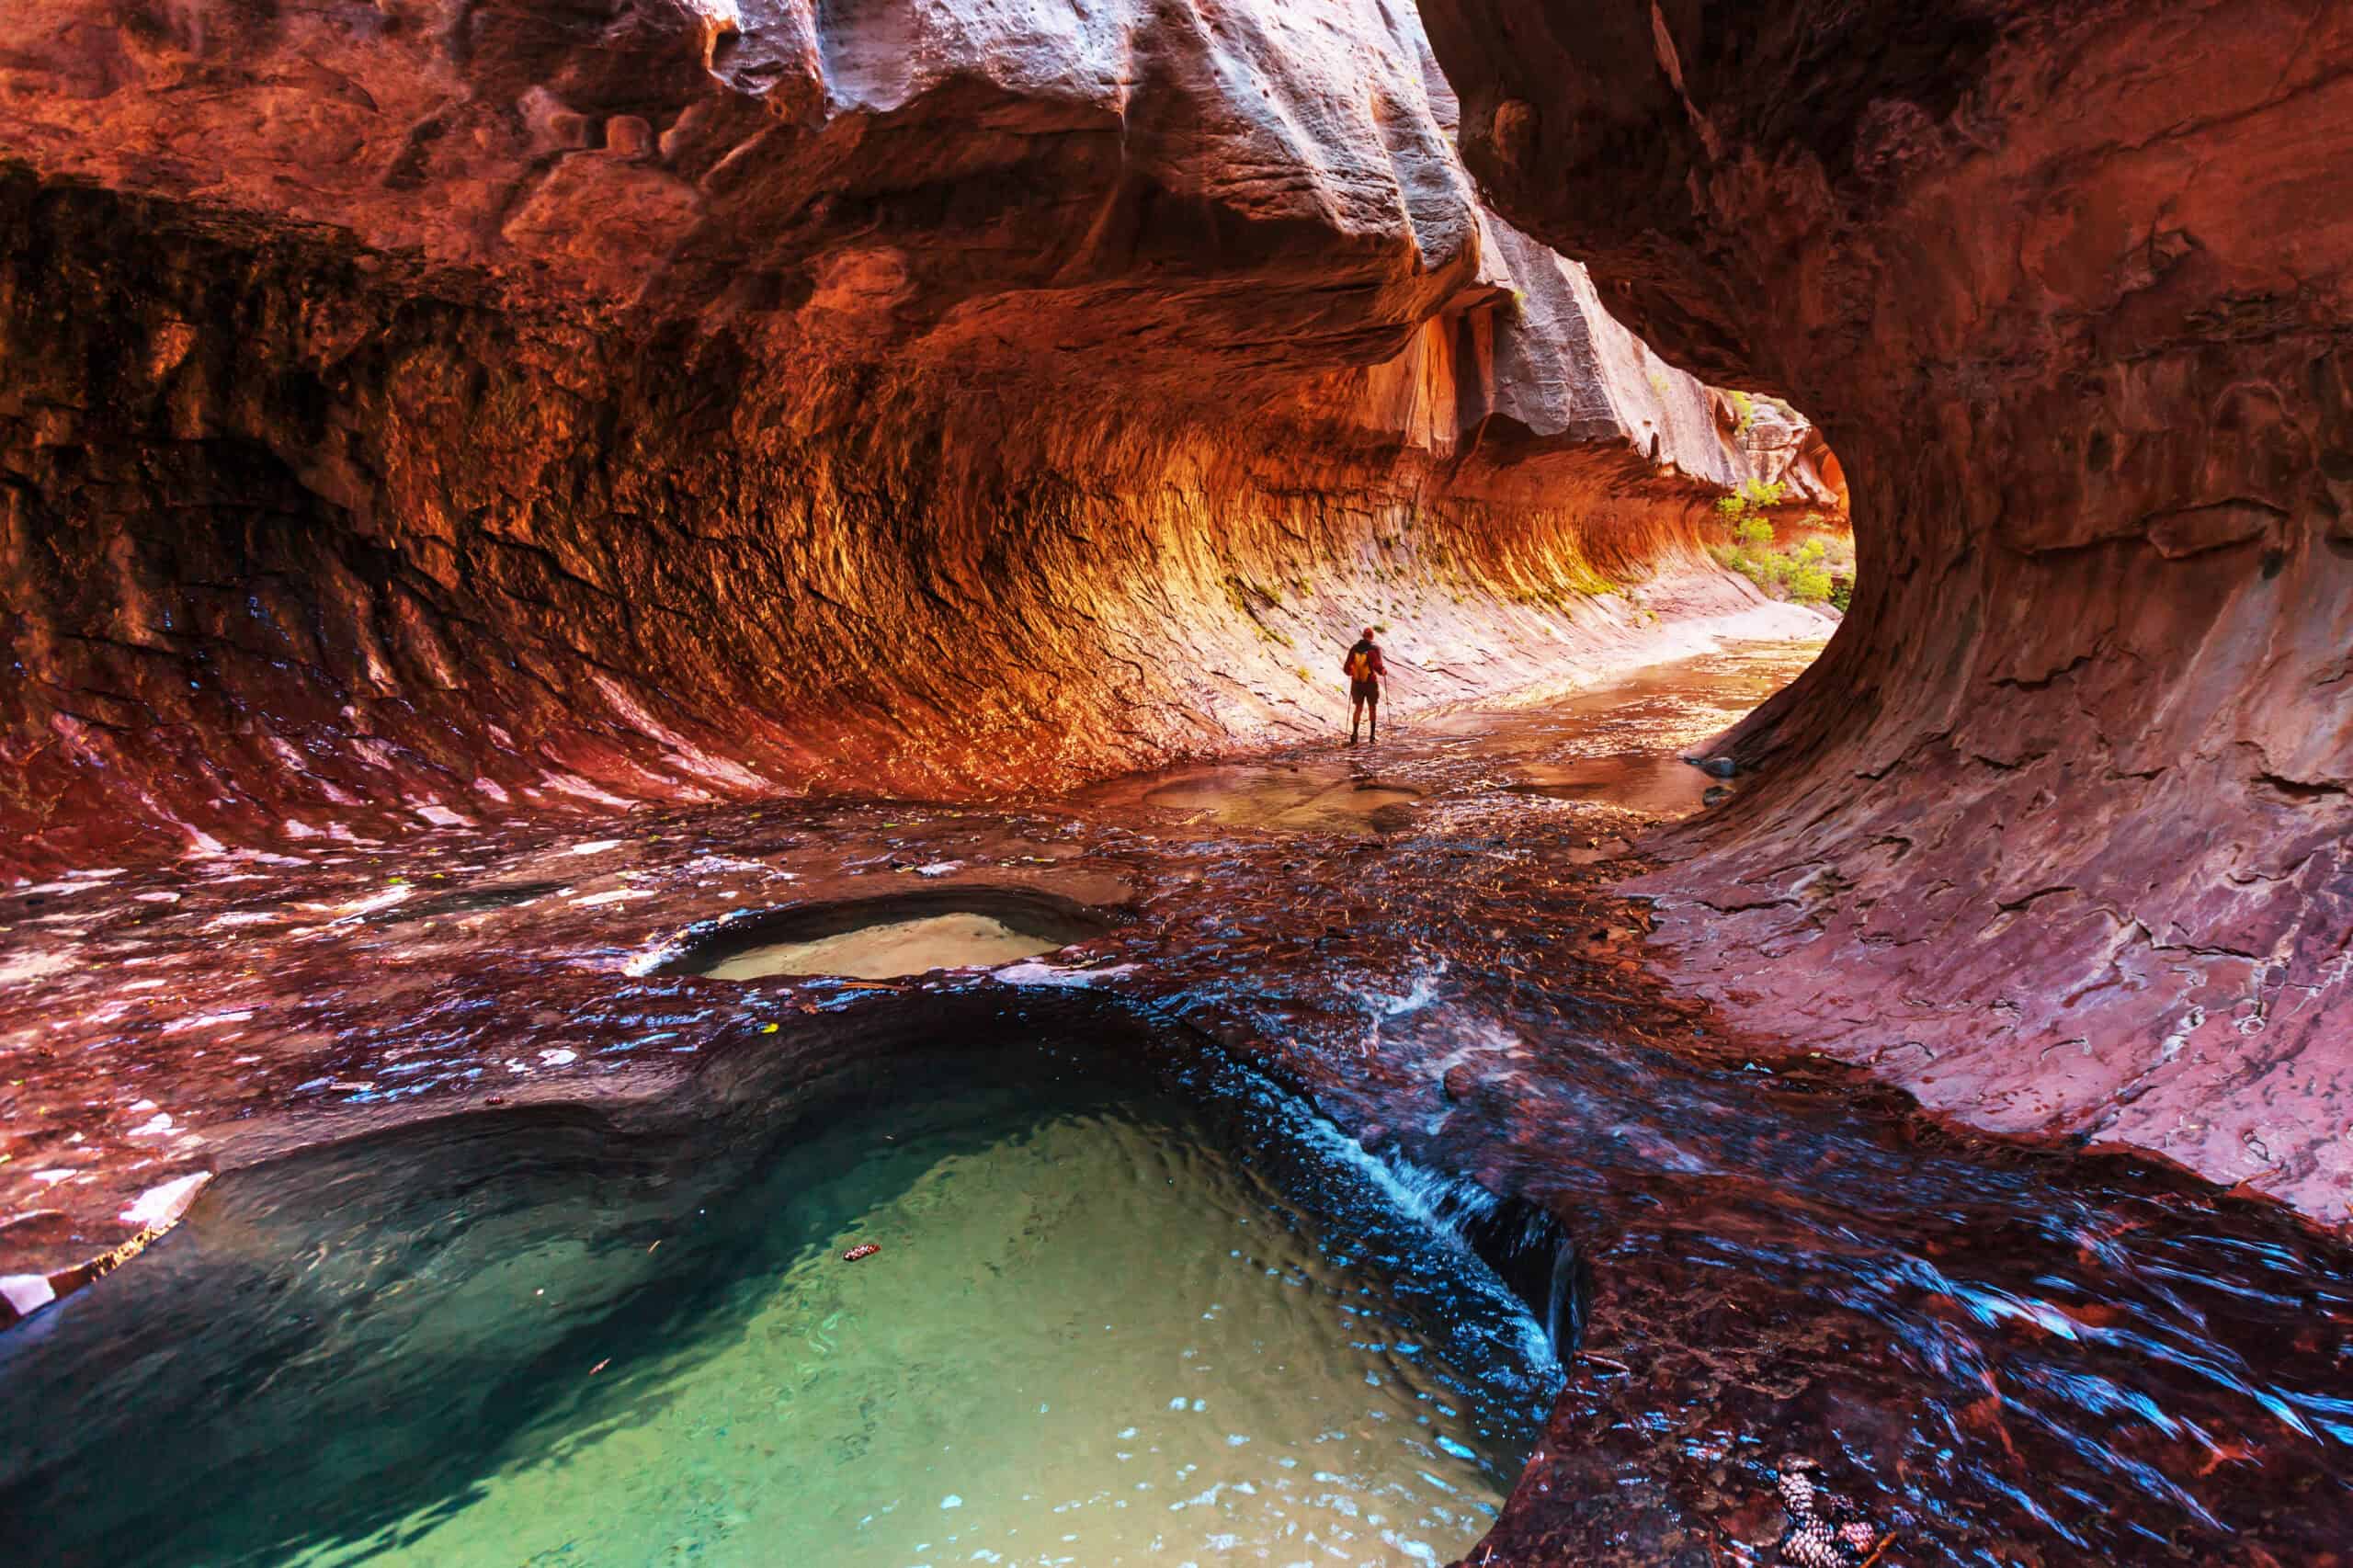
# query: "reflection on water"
887 951
1311 799
1619 748
1105 1325
1650 784
2008 1356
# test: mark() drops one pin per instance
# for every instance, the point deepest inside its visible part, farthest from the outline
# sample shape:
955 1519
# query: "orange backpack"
1359 664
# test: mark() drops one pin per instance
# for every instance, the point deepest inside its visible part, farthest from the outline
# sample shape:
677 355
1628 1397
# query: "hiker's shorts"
1364 691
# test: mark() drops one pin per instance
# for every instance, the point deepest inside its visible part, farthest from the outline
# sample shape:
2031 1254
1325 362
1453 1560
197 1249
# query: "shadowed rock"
2055 830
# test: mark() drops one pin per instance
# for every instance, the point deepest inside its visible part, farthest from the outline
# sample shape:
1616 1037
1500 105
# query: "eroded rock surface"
2055 833
434 413
2002 1354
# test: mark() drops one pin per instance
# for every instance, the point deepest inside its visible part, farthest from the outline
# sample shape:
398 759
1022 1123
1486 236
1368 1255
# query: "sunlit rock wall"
421 414
2056 832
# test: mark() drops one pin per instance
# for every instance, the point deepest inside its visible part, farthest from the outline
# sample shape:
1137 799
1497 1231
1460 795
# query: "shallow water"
889 951
1619 748
1320 797
1653 785
2007 1355
1107 1324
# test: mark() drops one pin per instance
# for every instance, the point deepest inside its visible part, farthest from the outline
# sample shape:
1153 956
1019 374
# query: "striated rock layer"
2056 834
431 412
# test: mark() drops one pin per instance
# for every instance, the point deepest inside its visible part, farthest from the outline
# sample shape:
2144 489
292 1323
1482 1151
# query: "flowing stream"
2003 1354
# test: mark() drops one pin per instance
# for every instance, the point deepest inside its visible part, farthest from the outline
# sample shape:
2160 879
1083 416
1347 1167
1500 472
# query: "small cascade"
1533 1251
1524 1244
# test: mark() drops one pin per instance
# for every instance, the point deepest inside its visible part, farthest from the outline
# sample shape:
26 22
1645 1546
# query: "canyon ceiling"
428 412
452 409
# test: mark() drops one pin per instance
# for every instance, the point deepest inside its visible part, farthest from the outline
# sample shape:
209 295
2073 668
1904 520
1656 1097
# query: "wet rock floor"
2000 1354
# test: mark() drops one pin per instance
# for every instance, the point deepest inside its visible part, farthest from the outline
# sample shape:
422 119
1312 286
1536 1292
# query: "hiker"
1365 670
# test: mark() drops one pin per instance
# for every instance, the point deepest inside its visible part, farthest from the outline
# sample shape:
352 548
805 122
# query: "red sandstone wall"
2055 833
443 410
290 549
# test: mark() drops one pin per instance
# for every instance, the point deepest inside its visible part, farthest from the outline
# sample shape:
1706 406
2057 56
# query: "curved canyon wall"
417 414
2055 833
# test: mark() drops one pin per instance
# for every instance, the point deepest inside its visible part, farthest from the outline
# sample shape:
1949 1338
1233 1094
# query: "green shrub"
1749 566
1753 496
1809 573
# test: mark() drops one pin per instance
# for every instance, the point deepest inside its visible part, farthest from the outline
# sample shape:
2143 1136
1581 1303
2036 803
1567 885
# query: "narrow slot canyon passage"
686 872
